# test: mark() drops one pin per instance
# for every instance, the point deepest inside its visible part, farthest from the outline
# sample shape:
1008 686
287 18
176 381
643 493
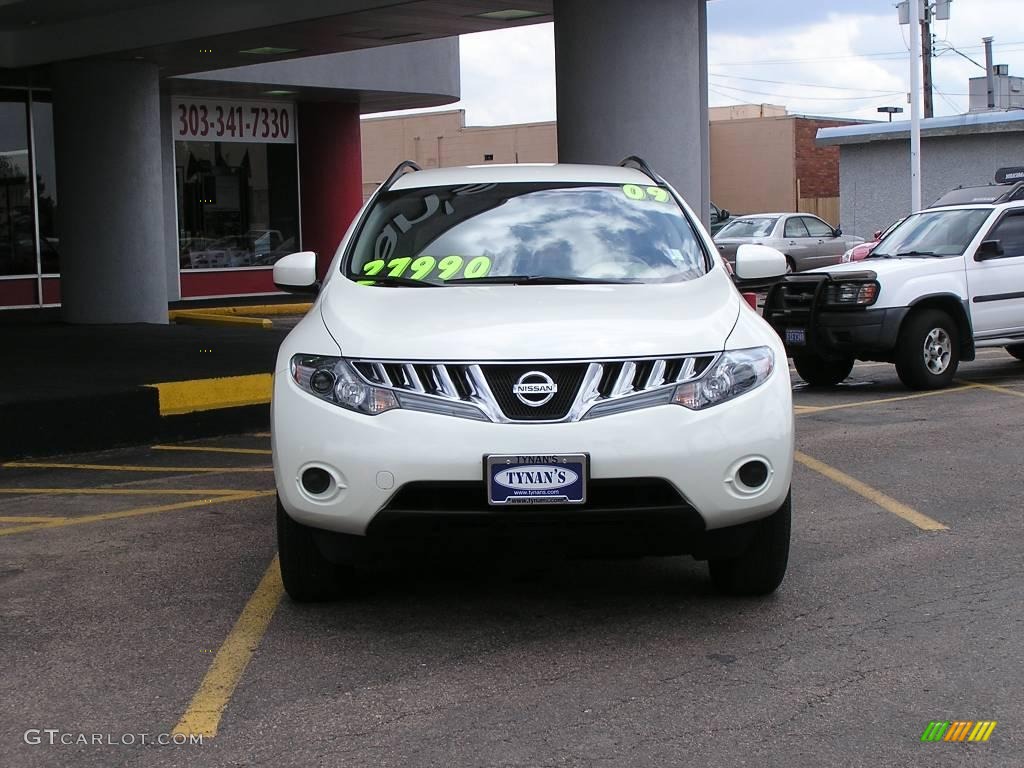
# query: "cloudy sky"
822 57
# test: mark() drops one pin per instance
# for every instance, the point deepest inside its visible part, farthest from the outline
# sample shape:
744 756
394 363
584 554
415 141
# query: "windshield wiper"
901 254
534 280
408 282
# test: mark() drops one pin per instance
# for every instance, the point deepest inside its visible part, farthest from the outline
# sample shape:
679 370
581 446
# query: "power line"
809 98
893 55
802 85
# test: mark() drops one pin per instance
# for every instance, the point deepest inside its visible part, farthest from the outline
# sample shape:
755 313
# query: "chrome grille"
605 387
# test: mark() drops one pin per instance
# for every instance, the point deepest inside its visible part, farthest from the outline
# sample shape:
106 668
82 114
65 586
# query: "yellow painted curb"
250 310
177 397
204 318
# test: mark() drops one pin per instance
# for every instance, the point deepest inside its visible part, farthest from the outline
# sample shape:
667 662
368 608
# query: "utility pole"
926 59
915 107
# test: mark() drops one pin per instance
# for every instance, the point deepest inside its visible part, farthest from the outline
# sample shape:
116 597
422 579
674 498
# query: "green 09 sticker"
424 267
657 194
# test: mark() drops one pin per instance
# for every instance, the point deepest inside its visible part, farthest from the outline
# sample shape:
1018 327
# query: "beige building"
762 159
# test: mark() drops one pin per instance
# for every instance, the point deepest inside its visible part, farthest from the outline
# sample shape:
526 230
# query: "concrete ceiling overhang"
190 36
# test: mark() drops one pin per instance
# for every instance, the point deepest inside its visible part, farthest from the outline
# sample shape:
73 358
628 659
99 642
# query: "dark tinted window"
17 221
572 231
1010 234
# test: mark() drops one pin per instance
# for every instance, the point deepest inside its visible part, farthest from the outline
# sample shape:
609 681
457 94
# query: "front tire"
928 350
1017 350
761 568
819 372
308 576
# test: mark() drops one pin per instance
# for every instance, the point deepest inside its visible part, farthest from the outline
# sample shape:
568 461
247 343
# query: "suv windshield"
760 227
933 233
526 233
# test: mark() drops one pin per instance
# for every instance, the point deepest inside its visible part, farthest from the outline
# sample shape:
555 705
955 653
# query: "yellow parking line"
205 710
28 519
124 491
804 409
208 318
133 512
887 503
126 467
996 388
211 449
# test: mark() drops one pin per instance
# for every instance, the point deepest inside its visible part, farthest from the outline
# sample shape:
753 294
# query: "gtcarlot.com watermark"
55 736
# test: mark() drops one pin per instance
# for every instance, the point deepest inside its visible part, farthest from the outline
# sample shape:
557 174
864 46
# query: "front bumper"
850 333
373 458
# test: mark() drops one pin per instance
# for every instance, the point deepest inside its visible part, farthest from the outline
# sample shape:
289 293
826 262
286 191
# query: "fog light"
753 474
316 480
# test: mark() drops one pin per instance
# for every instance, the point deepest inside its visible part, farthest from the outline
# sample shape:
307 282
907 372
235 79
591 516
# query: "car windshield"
933 233
526 233
759 227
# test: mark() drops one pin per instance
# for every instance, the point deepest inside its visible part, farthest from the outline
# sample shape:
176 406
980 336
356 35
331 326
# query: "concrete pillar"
107 137
330 175
631 80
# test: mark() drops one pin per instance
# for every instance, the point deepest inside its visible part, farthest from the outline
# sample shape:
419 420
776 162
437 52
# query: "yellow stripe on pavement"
996 388
124 491
126 467
252 310
29 519
205 710
64 522
177 397
211 449
804 409
873 495
210 318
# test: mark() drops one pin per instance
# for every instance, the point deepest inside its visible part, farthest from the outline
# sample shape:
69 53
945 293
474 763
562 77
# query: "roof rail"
400 169
641 165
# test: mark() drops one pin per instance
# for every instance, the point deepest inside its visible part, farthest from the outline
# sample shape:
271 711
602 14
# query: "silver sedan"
806 240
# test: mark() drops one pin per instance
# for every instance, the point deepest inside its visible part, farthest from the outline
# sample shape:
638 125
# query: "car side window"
1010 234
817 227
795 228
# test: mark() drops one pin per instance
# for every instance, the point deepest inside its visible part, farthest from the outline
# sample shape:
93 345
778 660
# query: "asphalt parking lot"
139 595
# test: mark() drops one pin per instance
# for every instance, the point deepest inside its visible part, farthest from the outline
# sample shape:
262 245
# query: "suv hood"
885 267
530 322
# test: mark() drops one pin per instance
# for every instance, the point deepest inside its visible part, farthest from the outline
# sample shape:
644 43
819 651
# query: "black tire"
308 576
819 372
1017 350
918 362
761 568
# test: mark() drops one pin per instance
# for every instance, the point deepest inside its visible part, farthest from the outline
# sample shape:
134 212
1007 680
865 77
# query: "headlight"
332 379
851 293
735 373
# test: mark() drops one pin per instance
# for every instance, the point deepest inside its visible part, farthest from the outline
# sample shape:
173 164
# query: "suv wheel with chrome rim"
928 350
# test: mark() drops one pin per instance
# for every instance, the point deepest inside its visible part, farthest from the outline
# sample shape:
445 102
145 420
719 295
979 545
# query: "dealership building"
164 151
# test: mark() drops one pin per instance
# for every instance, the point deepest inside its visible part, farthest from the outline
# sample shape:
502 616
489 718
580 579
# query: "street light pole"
915 105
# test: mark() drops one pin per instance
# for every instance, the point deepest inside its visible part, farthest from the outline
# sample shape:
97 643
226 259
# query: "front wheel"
819 372
928 350
1017 350
308 576
762 566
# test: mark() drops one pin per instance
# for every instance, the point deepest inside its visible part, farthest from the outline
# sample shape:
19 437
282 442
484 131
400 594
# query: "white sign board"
257 122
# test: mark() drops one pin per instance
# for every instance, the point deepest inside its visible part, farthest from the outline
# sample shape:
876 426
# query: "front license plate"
796 336
540 479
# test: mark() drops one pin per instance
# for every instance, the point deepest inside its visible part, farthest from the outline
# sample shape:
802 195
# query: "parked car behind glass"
806 240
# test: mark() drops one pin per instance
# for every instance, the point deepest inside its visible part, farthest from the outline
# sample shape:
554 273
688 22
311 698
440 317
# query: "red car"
861 251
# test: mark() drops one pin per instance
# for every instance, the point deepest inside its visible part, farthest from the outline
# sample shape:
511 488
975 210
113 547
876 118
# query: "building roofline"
954 125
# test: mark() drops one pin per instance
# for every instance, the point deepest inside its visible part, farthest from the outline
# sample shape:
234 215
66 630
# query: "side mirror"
989 249
758 262
876 235
837 232
296 273
724 214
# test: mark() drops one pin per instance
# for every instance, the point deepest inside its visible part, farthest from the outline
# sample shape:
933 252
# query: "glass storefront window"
238 203
46 182
17 221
